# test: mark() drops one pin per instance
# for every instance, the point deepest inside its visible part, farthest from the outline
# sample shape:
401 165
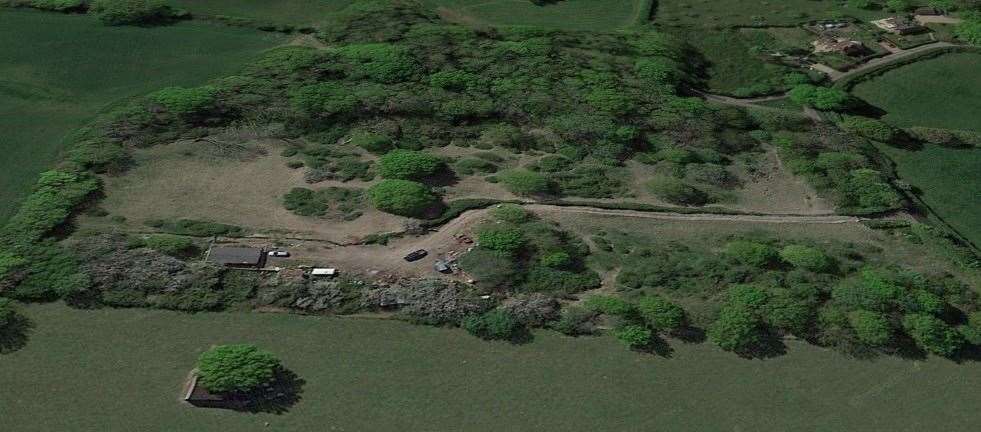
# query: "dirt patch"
771 189
181 181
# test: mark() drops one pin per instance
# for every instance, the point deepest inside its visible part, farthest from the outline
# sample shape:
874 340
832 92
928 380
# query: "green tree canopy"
736 329
822 98
139 12
408 165
659 313
932 334
633 336
186 102
872 328
750 253
497 324
503 239
236 368
402 197
805 257
524 182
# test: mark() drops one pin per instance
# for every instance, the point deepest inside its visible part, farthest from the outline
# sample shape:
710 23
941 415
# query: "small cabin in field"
238 257
901 25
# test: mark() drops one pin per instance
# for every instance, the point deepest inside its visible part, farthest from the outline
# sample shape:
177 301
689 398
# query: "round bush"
408 165
633 336
805 257
660 314
676 191
512 213
501 239
139 12
236 368
496 324
524 182
402 197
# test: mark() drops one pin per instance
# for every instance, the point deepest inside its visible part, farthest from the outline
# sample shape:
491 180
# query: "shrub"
470 166
660 314
241 368
503 135
556 260
575 321
99 156
136 12
970 29
452 79
305 202
494 325
324 99
379 62
933 335
506 240
511 213
49 205
170 244
676 191
408 165
871 328
789 312
608 305
805 257
558 281
865 189
822 98
489 268
186 102
372 142
402 197
972 330
59 5
633 336
524 182
736 329
750 253
869 128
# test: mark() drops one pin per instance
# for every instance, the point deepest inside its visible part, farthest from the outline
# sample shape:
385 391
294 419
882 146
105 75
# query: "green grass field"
297 12
942 92
58 71
123 369
950 181
594 15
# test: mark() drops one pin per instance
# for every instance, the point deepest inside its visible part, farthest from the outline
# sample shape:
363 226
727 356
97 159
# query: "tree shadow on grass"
657 346
770 345
276 398
15 335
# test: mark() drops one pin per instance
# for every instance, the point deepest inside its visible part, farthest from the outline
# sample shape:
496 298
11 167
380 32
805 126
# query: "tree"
897 5
860 4
871 328
805 257
750 253
240 368
170 244
972 330
609 305
372 142
633 336
408 165
137 12
506 240
822 98
511 213
932 334
524 182
869 128
402 197
575 321
737 329
867 190
749 297
8 315
186 102
494 325
970 29
788 312
660 314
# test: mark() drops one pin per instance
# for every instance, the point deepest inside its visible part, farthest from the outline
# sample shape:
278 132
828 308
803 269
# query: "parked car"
442 267
416 255
279 254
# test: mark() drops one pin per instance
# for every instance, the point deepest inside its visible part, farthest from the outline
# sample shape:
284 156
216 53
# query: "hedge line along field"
942 92
113 369
713 13
58 71
949 181
593 15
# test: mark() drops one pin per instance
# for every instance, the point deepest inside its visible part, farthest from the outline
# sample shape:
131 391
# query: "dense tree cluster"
241 368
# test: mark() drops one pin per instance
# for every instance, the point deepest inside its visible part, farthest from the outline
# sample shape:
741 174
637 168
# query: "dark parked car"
416 255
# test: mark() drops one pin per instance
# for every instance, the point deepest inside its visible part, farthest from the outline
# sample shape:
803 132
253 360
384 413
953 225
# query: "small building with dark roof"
200 397
241 257
901 25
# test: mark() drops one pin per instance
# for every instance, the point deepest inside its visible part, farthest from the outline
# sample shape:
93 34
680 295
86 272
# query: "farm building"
928 11
200 397
241 257
901 25
838 45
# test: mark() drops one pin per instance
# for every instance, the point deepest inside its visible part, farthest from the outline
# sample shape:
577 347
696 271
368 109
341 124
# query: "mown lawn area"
593 15
942 92
58 71
296 12
123 369
949 181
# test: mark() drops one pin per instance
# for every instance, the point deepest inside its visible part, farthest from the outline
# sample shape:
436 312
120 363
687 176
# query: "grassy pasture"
58 71
949 181
297 12
593 15
122 370
941 92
